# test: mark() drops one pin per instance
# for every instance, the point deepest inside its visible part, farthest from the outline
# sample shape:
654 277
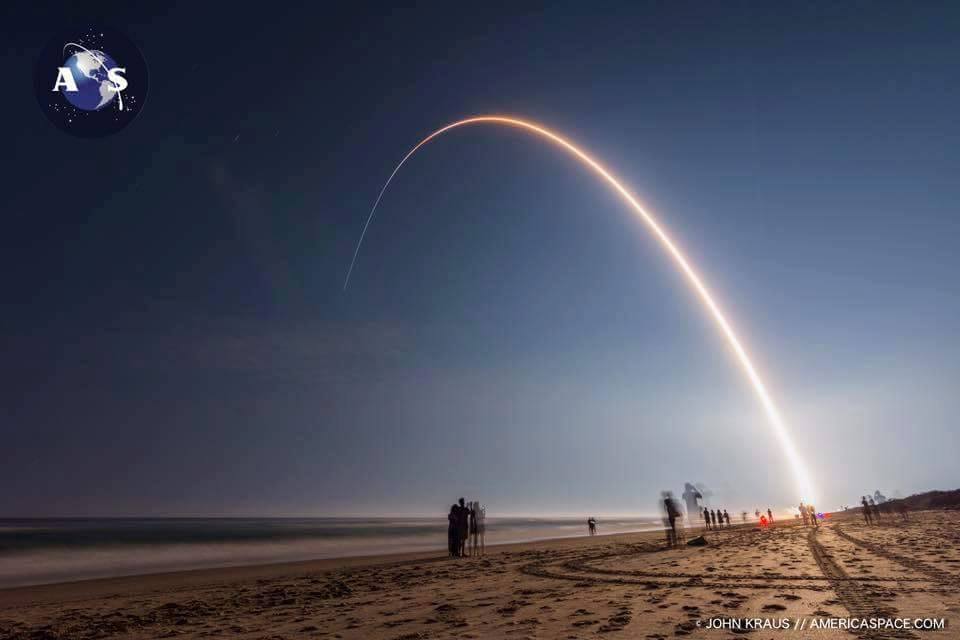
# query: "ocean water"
38 551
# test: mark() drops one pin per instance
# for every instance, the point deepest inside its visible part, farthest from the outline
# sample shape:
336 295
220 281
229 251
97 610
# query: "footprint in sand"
684 628
616 622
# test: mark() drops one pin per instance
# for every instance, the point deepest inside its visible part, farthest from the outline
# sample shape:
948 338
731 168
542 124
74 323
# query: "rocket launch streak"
801 478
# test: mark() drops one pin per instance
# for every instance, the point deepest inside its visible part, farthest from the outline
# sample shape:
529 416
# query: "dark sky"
175 340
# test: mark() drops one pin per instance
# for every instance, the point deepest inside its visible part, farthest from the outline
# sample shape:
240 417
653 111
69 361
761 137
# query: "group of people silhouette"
466 526
714 519
872 508
764 520
809 515
466 520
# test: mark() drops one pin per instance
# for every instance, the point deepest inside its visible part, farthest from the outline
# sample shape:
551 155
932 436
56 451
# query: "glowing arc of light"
802 479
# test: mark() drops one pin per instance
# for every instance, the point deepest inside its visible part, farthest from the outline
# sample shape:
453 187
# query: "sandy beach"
627 586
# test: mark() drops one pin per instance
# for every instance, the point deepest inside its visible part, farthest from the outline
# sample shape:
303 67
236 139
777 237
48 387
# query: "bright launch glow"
801 478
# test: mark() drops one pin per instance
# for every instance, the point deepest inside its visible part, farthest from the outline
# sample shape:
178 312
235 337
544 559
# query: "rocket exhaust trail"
801 478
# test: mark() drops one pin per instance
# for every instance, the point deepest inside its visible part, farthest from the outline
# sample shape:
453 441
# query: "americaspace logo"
91 82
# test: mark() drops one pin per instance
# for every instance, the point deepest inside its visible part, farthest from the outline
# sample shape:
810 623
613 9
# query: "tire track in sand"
905 561
859 601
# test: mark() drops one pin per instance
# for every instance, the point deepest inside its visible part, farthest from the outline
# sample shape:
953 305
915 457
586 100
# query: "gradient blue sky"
175 340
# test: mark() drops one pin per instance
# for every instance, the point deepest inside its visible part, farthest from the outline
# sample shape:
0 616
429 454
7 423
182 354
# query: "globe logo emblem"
90 79
91 82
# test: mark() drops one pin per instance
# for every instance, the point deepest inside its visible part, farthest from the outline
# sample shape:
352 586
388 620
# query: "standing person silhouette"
713 518
463 526
812 512
866 510
757 514
474 527
875 509
769 515
670 508
592 525
902 508
803 513
453 531
706 518
726 516
482 527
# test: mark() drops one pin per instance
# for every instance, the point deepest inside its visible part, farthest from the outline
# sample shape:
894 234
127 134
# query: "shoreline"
37 552
65 591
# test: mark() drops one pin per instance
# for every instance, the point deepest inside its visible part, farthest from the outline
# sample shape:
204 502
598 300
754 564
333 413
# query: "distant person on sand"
812 513
706 518
592 525
482 527
803 513
757 514
875 509
672 513
726 516
453 531
743 515
769 515
866 510
474 527
763 522
463 526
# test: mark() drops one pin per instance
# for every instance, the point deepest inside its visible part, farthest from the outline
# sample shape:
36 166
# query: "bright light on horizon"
804 486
